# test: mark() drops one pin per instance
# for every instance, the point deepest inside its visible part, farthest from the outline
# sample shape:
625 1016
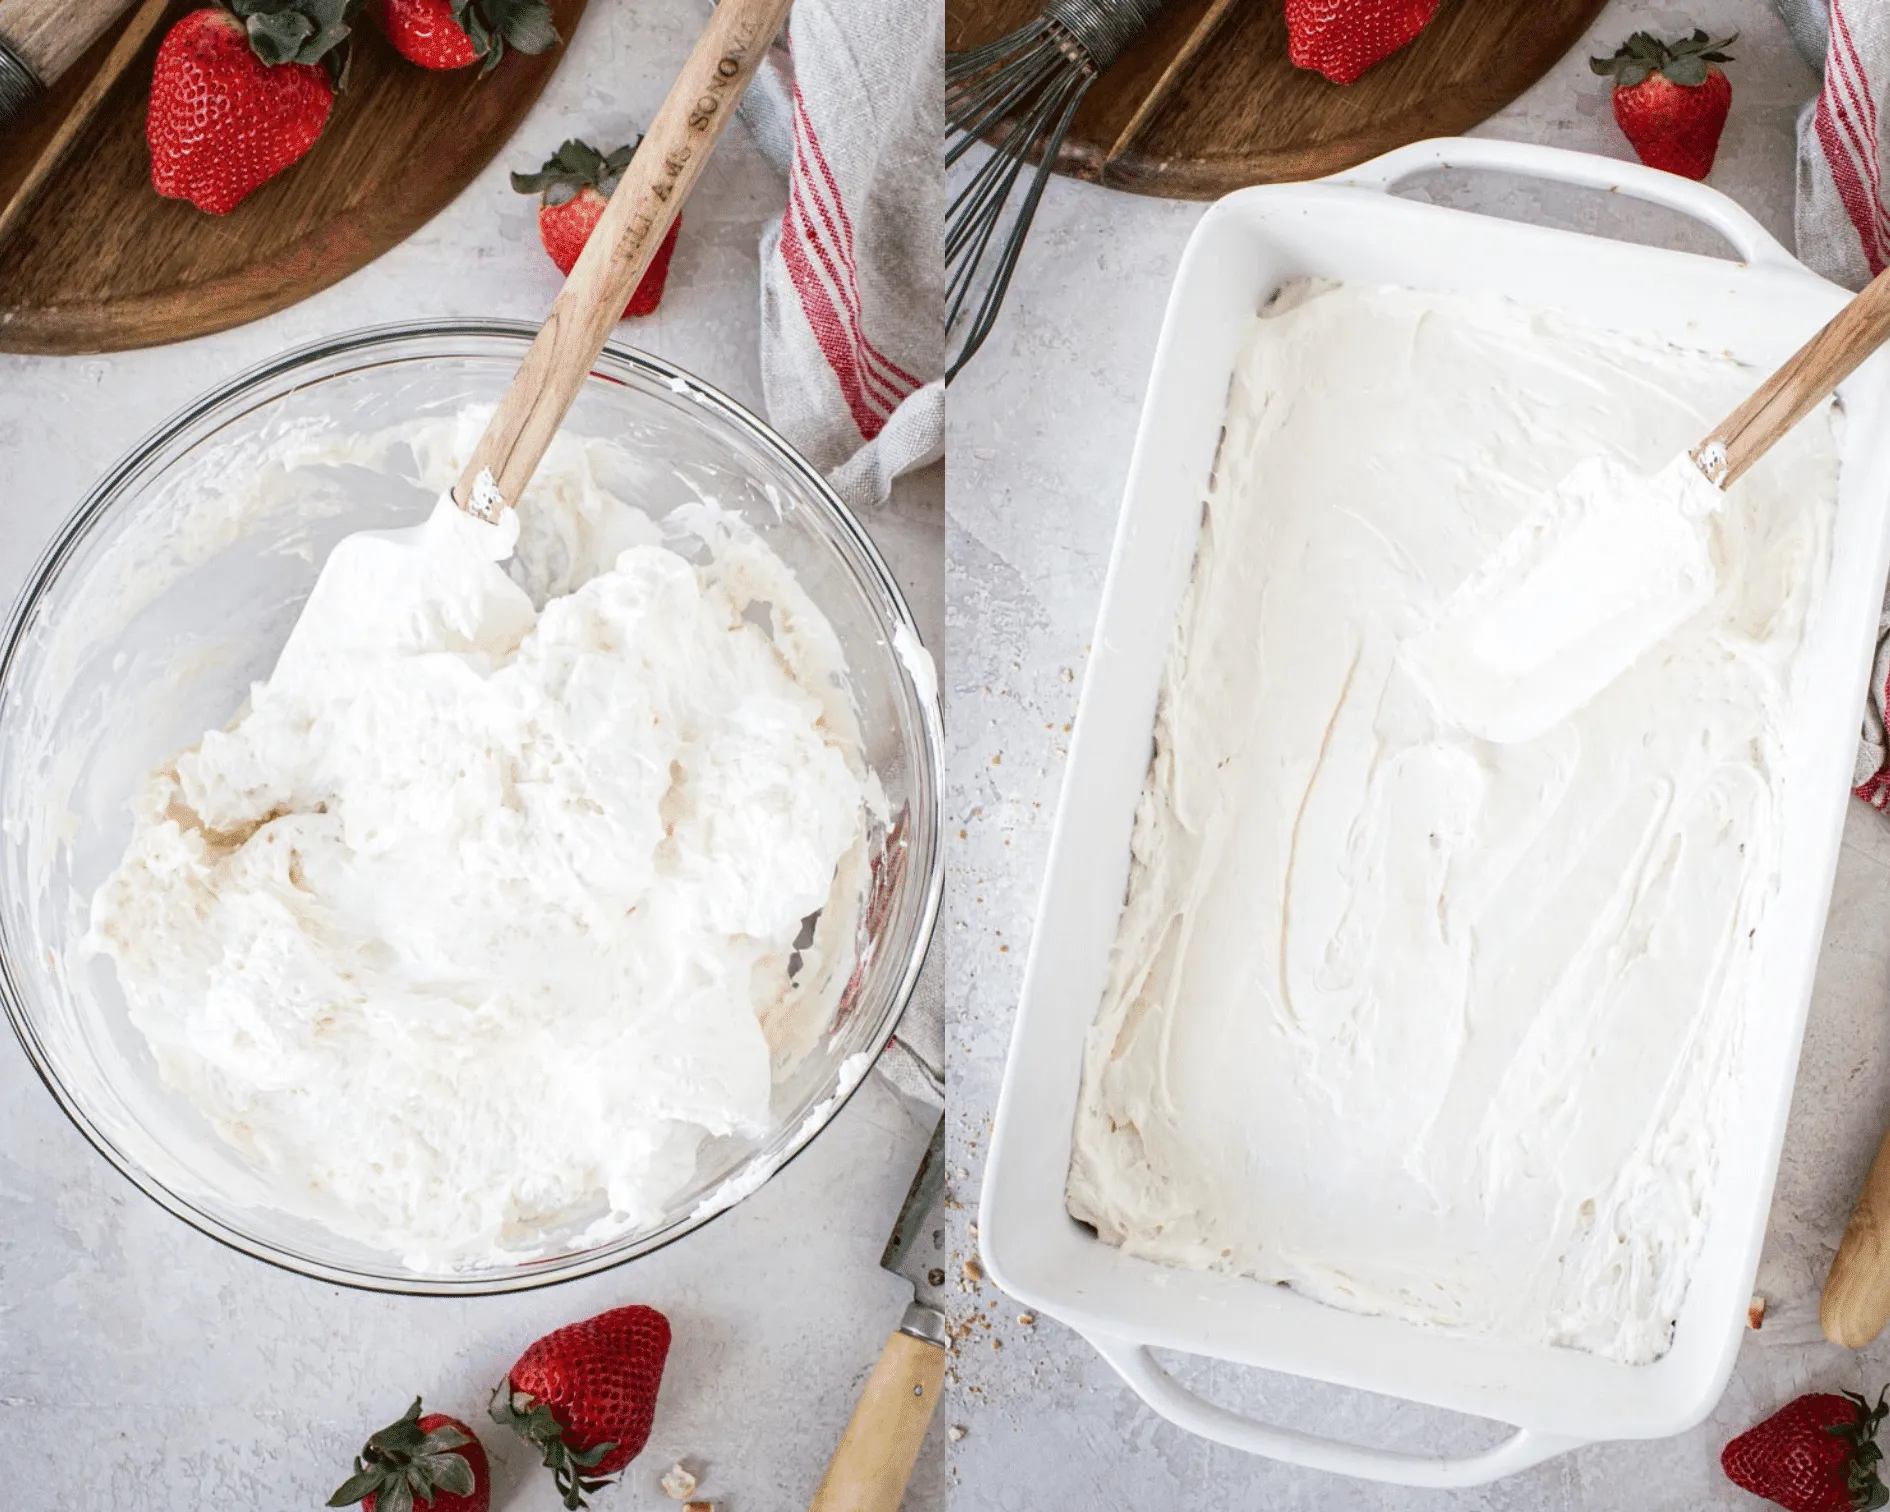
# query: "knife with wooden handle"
40 40
1856 1302
870 1469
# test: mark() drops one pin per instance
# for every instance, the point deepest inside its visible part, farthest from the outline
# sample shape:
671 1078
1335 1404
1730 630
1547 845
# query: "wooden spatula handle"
870 1469
1797 388
1856 1301
641 208
49 36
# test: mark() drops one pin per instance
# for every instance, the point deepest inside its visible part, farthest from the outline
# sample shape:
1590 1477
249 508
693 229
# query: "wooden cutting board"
101 262
1207 101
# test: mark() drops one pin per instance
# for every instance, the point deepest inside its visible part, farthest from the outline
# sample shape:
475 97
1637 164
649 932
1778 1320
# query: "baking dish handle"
1750 240
1137 1366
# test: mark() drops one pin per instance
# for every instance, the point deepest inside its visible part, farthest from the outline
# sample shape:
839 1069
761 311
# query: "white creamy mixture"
1421 1024
1610 564
479 918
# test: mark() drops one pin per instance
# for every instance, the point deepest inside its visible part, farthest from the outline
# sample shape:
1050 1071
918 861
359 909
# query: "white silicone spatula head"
1613 562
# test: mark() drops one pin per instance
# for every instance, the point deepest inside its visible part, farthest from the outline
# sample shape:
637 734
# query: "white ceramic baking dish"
1352 227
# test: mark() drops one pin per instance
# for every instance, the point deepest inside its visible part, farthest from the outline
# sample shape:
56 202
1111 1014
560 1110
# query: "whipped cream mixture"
1610 564
1418 1023
484 914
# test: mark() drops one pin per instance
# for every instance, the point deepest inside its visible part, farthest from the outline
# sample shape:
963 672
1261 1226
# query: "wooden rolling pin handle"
131 39
870 1469
49 36
620 248
1797 388
1856 1301
20 89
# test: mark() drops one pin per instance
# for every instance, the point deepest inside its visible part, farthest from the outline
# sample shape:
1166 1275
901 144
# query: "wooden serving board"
1207 101
100 262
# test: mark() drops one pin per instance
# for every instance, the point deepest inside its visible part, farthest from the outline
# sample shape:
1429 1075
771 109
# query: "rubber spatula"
639 213
1613 562
375 582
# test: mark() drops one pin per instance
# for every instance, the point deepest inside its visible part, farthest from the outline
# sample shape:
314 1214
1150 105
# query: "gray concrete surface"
173 1373
1041 428
144 1368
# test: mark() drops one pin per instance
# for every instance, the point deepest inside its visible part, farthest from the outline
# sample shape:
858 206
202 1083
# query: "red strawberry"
235 101
1343 38
1670 101
434 1461
584 1395
573 187
1815 1454
458 33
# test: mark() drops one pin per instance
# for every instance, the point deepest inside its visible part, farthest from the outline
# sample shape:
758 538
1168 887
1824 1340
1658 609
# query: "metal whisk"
1032 81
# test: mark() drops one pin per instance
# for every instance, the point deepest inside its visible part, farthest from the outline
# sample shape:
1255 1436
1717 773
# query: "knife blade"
915 1249
870 1468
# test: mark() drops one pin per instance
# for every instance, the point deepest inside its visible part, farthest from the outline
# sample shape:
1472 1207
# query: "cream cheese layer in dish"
483 915
1420 1024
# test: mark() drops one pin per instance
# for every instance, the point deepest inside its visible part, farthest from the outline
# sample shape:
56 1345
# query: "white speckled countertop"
1041 427
144 1368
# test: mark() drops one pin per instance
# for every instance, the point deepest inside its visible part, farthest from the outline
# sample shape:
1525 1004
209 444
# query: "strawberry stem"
299 31
533 1421
1682 62
1866 1486
493 25
574 167
404 1462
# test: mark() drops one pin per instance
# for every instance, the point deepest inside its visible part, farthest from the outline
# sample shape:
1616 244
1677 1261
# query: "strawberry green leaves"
405 1465
294 31
576 166
1683 62
494 25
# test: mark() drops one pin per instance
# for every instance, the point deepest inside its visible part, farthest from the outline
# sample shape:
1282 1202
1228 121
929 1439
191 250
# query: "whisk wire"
972 231
978 206
974 60
1023 89
982 105
983 196
987 216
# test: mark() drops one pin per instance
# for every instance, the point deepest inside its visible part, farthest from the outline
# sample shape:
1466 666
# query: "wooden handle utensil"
870 1469
1856 1302
641 208
41 39
130 43
1797 388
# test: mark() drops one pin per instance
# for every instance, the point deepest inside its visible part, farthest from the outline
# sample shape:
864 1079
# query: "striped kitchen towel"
1871 778
852 279
850 111
1843 229
1842 223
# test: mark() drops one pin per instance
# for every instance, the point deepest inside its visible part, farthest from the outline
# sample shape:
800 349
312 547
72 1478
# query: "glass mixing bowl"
172 589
